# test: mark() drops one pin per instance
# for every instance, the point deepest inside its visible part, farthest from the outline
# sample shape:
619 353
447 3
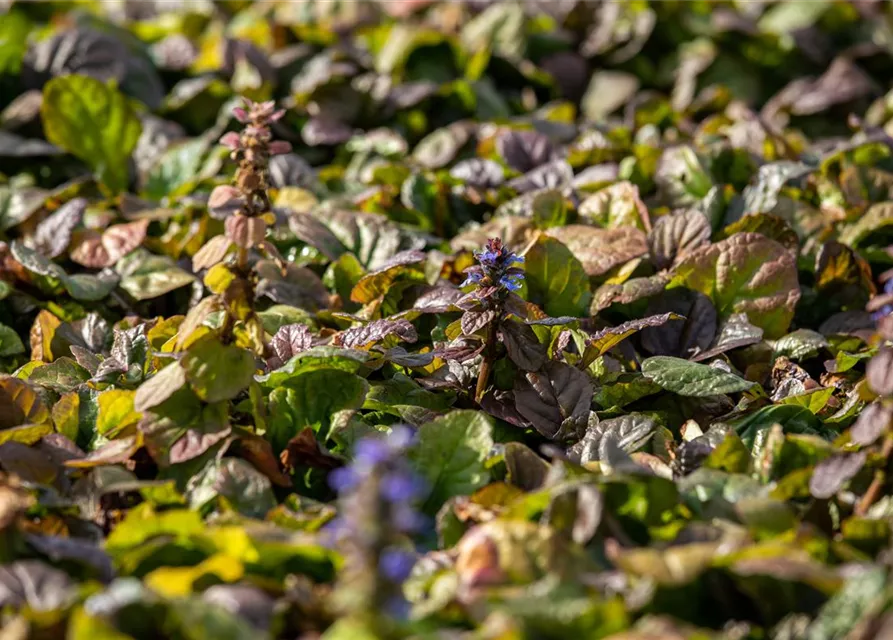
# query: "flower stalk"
496 279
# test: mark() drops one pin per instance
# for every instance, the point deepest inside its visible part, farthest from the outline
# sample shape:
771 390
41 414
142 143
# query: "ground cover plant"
446 320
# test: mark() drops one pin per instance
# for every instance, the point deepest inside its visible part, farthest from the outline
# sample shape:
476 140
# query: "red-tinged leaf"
304 450
98 251
259 452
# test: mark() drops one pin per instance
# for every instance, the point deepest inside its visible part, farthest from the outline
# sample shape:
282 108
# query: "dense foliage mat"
456 319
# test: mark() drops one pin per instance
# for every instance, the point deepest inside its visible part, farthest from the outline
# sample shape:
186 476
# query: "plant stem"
877 484
486 364
242 261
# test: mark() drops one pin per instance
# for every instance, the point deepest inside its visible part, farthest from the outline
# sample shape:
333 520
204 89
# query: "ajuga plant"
216 346
379 494
247 210
489 305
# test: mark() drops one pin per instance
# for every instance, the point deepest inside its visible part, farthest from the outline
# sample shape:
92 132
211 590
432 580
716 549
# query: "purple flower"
400 437
408 520
488 258
495 266
887 309
372 451
396 564
343 479
401 487
511 282
474 277
398 607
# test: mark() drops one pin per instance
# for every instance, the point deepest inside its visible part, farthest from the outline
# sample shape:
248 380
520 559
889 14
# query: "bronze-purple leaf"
524 150
555 400
676 235
879 372
522 345
375 332
53 234
871 423
473 321
831 474
290 340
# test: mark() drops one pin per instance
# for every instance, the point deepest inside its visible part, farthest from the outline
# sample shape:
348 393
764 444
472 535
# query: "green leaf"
681 178
499 28
730 455
753 428
145 276
814 400
61 375
556 279
160 387
115 411
246 488
14 29
309 400
217 371
10 343
862 594
687 378
177 171
314 359
746 273
93 121
451 454
89 287
800 344
81 286
616 206
142 524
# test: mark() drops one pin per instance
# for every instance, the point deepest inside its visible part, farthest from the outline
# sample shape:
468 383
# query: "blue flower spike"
495 268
